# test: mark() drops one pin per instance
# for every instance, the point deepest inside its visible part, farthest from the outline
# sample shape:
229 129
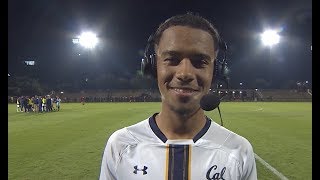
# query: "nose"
185 71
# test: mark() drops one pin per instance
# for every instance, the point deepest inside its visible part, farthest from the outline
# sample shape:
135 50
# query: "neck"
180 126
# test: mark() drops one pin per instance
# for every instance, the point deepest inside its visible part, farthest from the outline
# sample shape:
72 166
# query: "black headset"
149 64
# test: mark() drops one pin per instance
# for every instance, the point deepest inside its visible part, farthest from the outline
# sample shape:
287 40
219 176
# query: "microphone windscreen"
209 102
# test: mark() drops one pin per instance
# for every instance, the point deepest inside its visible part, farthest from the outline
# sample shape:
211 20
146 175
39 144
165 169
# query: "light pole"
89 41
270 38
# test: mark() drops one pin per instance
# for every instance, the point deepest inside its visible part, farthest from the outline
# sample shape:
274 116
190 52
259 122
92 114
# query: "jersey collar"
163 138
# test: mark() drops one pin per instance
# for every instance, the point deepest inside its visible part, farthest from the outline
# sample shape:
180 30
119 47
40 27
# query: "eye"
200 61
172 60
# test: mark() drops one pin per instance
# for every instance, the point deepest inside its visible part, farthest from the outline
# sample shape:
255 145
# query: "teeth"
183 90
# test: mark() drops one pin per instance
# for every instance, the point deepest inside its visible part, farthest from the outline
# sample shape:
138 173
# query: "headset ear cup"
153 64
149 66
144 66
223 70
216 69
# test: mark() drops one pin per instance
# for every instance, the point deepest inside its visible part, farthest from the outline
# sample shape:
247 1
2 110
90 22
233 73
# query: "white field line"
260 109
272 169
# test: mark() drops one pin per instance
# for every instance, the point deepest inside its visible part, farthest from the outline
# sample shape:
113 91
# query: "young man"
180 142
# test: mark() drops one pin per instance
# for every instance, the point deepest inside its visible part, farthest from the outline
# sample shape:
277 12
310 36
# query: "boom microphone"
209 102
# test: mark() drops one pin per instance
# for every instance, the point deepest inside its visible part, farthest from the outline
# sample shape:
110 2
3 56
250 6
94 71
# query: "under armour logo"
144 170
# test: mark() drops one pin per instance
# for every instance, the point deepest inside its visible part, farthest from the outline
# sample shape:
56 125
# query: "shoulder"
128 136
240 142
219 137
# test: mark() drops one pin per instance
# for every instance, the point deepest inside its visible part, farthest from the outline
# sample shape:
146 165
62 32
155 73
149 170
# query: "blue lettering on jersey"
217 175
144 170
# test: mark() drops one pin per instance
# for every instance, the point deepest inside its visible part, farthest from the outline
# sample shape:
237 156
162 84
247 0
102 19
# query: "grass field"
68 144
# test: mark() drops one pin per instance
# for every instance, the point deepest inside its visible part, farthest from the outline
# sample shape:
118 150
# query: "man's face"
185 58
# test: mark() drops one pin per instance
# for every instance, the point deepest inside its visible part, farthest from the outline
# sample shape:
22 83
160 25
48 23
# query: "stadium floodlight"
29 62
75 40
270 37
88 40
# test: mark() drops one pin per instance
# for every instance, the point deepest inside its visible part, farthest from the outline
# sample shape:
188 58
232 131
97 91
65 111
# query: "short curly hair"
189 19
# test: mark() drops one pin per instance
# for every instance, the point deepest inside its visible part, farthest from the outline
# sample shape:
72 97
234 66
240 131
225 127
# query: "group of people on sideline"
38 103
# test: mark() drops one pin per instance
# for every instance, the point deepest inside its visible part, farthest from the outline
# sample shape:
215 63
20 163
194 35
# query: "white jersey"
142 152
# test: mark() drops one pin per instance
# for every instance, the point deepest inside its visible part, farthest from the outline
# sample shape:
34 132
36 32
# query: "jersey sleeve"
108 163
116 145
249 165
110 159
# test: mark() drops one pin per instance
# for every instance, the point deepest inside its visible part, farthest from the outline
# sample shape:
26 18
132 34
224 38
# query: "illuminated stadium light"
270 37
88 40
61 92
75 40
29 63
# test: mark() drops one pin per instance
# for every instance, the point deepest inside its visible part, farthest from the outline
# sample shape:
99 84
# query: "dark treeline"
27 85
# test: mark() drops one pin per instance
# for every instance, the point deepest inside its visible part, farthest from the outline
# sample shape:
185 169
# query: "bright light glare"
270 37
88 40
75 41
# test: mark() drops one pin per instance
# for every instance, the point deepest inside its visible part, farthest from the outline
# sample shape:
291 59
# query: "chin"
184 109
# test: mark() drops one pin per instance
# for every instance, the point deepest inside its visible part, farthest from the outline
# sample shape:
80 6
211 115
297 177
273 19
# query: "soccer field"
69 144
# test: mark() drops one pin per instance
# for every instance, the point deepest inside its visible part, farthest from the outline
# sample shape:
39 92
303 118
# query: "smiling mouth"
183 92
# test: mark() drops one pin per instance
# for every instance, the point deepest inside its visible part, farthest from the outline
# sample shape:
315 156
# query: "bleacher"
153 95
285 95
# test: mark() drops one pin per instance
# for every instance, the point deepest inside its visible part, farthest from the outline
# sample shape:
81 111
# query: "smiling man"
180 142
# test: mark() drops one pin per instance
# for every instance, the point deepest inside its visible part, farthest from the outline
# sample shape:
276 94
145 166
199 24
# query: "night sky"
43 31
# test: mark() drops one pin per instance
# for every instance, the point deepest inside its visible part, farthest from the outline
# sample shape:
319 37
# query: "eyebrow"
171 53
176 53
